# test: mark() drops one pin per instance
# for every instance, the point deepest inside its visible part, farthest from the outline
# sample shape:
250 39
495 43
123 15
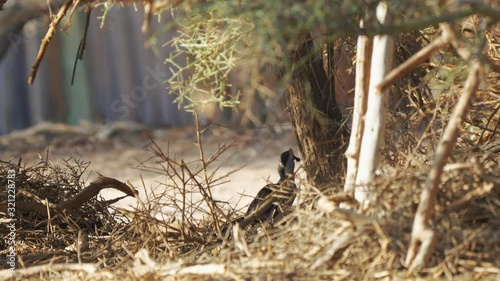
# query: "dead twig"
143 265
471 195
423 238
77 201
46 40
37 270
341 242
412 63
207 192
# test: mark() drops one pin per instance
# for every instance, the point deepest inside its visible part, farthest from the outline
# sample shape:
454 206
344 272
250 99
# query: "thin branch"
46 40
81 46
78 200
424 22
211 203
38 270
423 237
144 265
480 192
337 245
207 197
411 63
148 14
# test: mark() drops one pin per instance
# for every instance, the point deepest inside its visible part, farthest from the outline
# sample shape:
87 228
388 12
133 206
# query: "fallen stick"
423 237
37 270
78 200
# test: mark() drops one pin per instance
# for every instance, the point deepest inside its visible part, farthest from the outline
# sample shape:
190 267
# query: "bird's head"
287 163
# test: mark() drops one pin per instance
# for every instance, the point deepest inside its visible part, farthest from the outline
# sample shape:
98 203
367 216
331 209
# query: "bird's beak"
294 157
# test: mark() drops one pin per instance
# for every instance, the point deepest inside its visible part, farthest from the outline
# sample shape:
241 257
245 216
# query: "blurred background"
123 73
119 79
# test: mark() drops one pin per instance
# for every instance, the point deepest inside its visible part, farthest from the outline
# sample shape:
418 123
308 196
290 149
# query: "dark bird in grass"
283 192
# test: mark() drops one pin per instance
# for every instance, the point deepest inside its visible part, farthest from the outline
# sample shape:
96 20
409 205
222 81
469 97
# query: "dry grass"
316 241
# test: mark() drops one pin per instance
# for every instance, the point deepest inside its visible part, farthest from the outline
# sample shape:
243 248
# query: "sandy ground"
119 152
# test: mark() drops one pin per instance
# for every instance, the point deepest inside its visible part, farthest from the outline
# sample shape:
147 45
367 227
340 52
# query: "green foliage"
203 58
215 37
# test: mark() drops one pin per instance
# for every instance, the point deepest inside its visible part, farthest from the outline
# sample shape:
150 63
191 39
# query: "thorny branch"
423 238
46 40
77 201
207 194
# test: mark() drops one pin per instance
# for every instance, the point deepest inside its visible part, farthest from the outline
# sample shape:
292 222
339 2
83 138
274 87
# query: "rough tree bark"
315 115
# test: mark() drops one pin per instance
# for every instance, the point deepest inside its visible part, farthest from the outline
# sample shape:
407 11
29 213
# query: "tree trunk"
315 115
375 118
363 63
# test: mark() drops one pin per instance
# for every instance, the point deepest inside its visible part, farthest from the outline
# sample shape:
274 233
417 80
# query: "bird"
282 192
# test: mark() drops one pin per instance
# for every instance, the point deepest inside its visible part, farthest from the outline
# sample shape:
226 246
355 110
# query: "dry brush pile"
181 232
316 241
